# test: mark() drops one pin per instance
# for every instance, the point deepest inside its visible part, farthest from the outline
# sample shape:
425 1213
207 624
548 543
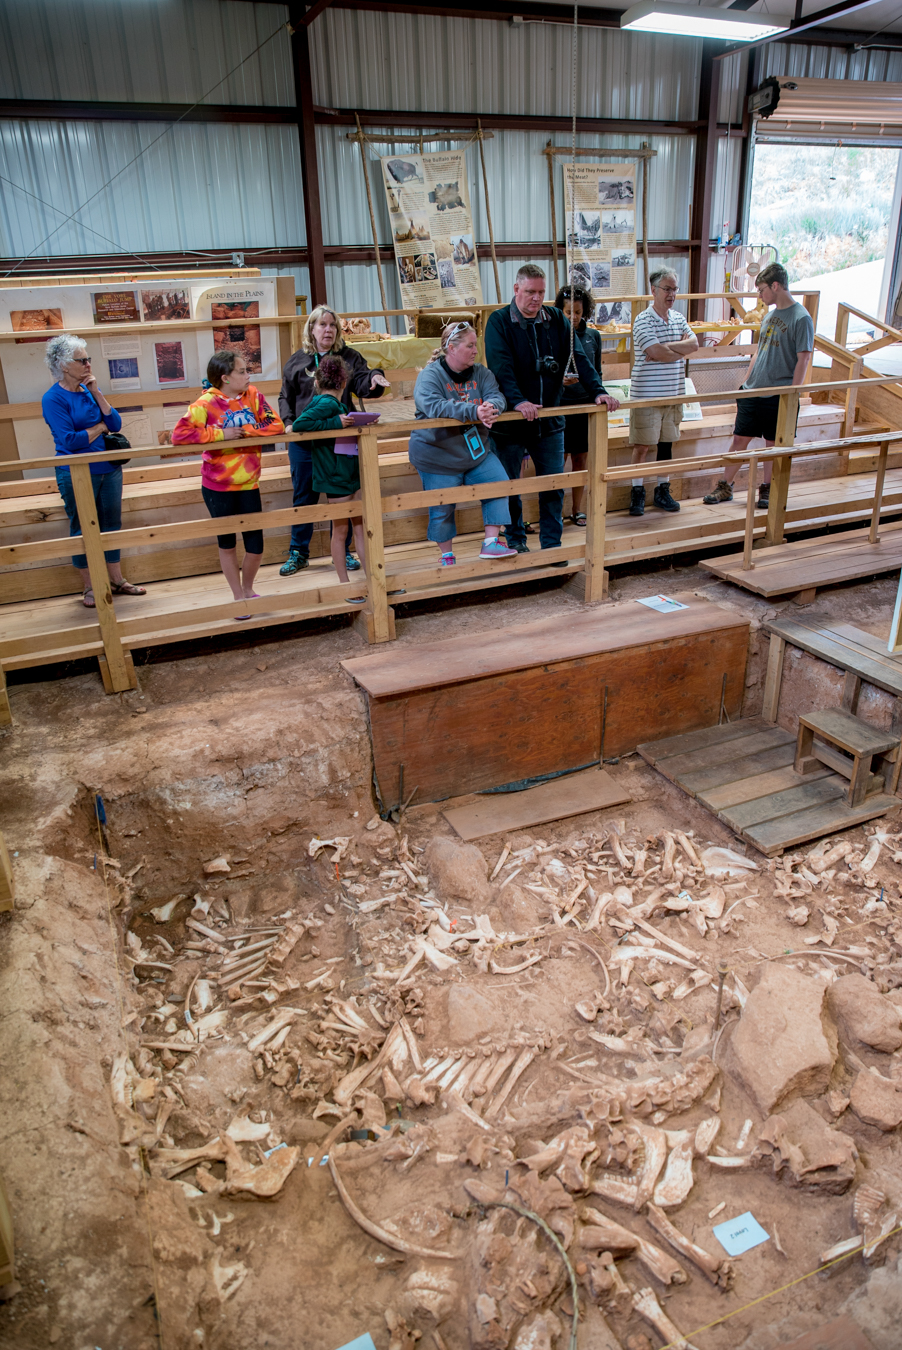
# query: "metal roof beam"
68 111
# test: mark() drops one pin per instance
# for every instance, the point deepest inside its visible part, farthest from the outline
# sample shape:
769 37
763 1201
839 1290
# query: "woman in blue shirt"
78 414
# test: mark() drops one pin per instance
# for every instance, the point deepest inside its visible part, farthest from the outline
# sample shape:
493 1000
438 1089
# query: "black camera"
546 365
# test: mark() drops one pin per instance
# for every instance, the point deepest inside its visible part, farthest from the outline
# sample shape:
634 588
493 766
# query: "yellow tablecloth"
401 353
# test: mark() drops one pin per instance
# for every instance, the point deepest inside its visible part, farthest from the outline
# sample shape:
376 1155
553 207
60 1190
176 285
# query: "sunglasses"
458 328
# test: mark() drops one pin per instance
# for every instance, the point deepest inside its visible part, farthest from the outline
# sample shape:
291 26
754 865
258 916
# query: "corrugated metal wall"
419 62
203 186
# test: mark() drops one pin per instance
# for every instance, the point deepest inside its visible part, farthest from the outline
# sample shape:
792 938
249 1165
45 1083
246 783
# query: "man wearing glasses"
662 339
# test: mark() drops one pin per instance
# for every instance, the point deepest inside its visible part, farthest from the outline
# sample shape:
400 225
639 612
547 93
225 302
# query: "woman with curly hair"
78 414
337 475
322 337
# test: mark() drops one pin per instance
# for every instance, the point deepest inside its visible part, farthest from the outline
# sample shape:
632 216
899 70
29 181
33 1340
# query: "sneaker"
295 562
356 599
448 560
352 563
496 548
722 493
663 499
517 545
562 562
637 501
764 494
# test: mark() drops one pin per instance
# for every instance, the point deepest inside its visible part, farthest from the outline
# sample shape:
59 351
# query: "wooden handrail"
393 430
173 326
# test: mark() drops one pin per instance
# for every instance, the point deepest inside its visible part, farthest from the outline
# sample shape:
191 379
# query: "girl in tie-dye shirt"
228 411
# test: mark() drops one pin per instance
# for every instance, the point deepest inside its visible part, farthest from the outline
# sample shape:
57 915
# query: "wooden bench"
856 745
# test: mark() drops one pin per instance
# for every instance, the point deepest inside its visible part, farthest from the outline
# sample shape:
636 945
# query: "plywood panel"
594 790
459 724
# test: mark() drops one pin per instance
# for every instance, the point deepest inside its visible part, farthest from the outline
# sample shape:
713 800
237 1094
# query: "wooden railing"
115 633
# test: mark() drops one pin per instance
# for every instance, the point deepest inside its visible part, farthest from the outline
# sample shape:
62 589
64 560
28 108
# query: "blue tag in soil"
361 1343
741 1234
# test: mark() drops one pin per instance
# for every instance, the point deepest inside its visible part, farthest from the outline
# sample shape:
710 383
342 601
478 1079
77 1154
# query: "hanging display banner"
432 230
601 239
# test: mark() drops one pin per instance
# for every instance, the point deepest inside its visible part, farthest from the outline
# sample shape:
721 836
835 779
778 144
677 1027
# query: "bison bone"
676 1183
392 1240
394 1053
718 1272
647 1306
655 1142
265 1180
656 1261
521 1064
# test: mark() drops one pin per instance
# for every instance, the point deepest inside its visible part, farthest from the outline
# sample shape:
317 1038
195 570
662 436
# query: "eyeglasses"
82 360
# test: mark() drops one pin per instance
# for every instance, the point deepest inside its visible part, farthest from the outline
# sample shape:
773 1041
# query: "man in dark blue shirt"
527 347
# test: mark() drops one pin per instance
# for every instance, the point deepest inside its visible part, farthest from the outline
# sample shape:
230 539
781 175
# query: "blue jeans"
301 465
494 509
108 496
547 455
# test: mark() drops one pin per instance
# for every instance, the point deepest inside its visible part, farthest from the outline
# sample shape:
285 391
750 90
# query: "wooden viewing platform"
842 477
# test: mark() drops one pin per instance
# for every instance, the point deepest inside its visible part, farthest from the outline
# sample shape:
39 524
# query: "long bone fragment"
669 856
478 1081
500 1068
655 1154
397 1244
656 1261
523 1061
628 953
647 1306
676 1183
720 1273
515 970
394 1053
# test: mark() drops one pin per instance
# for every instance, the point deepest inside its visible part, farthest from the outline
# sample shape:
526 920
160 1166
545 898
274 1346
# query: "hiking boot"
764 495
663 499
722 493
352 563
295 562
637 501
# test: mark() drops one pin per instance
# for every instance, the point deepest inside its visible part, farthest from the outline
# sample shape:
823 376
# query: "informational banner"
432 230
601 234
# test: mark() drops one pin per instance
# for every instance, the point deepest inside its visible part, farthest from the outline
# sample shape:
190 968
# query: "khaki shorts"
650 425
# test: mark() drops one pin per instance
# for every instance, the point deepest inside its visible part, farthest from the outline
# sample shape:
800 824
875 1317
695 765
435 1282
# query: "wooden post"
841 334
550 161
7 897
119 676
850 400
371 492
749 540
597 501
779 488
873 534
6 716
774 678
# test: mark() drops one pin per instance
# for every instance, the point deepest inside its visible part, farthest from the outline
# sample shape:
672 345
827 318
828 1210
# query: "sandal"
126 588
88 603
578 518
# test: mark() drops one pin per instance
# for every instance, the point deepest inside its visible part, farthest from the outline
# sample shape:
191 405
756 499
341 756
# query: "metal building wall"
145 51
417 62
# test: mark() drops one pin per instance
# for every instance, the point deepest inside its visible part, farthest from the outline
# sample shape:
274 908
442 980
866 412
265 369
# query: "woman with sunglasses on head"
78 415
576 304
454 385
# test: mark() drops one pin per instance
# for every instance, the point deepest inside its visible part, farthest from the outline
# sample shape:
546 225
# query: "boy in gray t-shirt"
785 344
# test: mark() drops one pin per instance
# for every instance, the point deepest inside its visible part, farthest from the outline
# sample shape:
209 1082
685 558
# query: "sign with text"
600 204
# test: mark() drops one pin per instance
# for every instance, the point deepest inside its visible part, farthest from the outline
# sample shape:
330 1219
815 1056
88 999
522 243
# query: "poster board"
601 241
129 361
428 201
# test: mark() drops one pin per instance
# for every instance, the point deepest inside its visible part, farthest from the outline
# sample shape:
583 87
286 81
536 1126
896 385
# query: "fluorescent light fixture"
692 21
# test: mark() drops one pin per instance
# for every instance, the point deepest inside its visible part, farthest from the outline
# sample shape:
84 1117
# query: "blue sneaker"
352 563
448 560
496 548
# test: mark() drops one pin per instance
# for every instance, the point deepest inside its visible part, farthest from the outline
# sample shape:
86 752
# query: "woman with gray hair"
78 415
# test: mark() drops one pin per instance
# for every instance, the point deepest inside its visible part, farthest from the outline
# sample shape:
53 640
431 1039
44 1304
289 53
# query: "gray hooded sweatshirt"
443 392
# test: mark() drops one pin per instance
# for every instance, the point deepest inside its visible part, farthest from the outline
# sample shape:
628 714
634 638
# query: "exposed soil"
249 755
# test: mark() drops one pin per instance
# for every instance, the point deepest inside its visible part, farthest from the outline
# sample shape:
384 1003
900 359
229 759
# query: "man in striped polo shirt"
662 339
